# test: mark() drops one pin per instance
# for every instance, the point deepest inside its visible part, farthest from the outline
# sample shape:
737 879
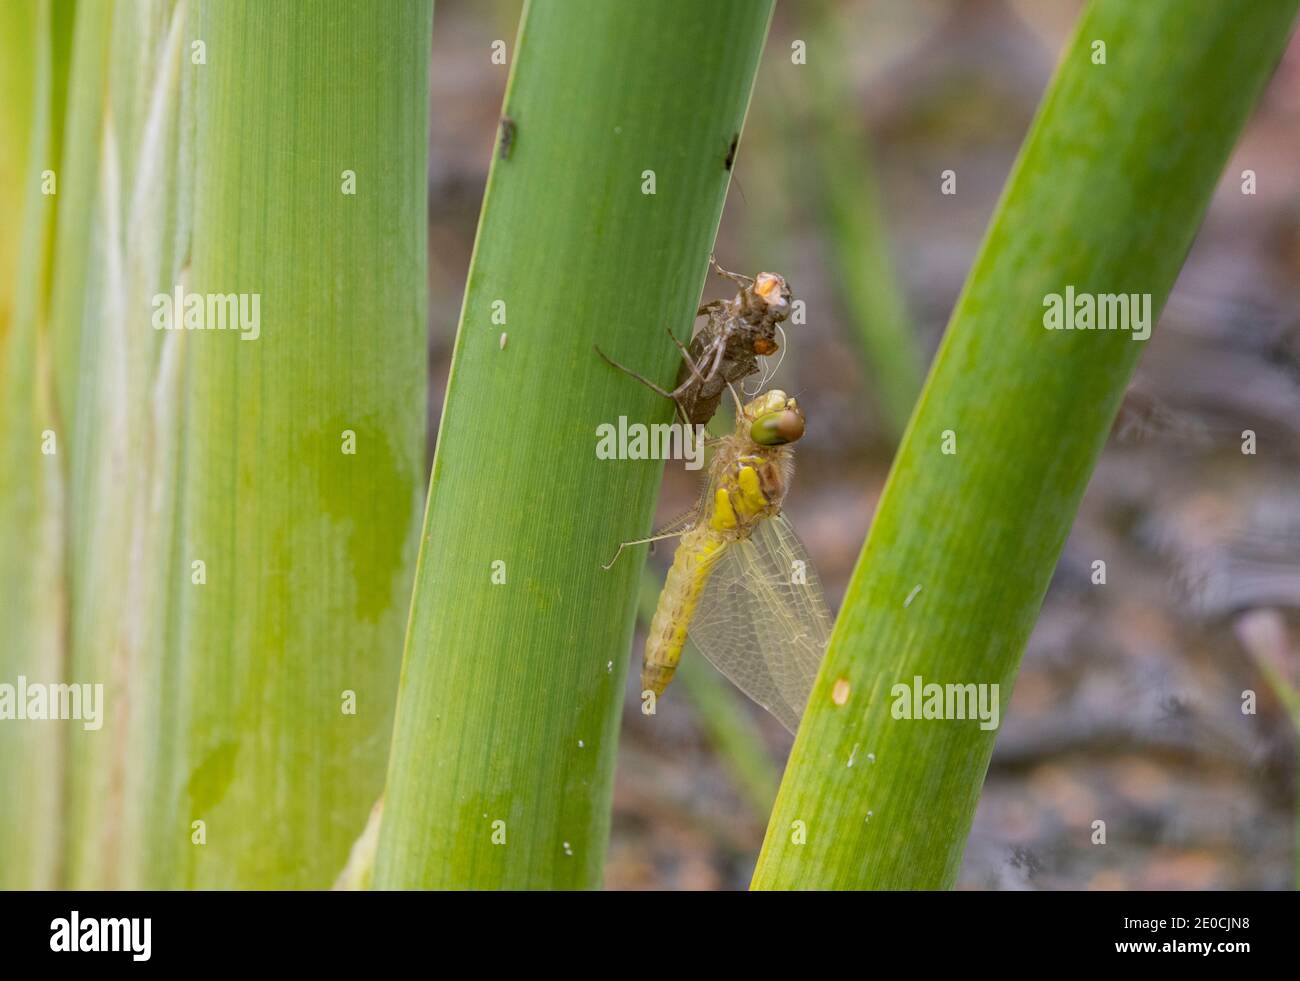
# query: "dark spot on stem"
731 152
507 142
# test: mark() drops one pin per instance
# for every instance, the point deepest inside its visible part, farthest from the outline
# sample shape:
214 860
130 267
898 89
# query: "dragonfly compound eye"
777 428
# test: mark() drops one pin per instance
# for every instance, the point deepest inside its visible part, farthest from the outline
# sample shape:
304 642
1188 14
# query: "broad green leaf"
239 529
33 449
1106 197
508 715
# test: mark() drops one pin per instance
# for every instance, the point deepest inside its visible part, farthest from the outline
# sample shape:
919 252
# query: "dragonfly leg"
641 378
719 352
690 363
740 409
685 386
640 541
681 412
713 355
744 282
674 395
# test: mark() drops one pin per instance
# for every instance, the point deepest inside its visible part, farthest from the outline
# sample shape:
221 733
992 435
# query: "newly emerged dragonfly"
741 586
726 350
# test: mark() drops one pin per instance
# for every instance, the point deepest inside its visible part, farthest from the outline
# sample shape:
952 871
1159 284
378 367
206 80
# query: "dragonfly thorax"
748 478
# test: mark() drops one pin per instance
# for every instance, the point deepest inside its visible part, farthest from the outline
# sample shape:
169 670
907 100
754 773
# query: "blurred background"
1129 704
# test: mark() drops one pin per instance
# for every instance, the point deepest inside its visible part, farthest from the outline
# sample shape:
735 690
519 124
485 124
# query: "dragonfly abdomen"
696 556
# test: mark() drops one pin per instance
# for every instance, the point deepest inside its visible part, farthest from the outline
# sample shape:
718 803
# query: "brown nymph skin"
728 347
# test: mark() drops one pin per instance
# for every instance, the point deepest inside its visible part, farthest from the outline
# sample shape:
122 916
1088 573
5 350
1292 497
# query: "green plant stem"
32 448
1107 195
1289 695
240 565
315 530
509 708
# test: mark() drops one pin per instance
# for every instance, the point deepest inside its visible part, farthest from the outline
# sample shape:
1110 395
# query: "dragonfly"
741 587
726 350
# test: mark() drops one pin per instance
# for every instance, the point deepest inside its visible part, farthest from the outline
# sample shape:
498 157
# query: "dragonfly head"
771 296
775 419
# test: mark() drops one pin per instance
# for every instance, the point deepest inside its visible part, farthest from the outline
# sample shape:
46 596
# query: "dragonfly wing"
680 523
688 518
763 622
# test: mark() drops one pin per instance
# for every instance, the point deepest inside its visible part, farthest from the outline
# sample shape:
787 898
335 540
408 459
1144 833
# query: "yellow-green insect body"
740 587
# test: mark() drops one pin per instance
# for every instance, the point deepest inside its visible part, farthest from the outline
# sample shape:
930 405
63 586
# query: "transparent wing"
763 621
680 523
688 518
